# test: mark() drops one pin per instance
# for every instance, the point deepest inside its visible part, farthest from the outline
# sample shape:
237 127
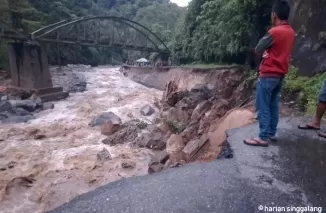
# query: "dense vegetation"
221 30
29 15
307 87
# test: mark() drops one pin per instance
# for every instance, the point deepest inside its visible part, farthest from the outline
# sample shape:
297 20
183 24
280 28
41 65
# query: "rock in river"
48 105
108 128
147 110
156 140
17 119
29 105
104 155
104 117
127 133
5 106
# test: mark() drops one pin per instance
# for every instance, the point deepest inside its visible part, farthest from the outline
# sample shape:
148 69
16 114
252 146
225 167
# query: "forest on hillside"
221 30
26 16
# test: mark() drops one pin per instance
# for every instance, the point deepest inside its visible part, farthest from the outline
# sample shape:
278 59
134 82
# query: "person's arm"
263 44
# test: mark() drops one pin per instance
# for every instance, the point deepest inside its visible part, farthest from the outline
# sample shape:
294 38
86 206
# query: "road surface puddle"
54 158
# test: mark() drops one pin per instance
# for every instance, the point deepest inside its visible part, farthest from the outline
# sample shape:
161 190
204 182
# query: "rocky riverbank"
197 107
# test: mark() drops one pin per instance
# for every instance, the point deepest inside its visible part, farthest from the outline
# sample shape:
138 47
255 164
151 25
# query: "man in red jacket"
275 48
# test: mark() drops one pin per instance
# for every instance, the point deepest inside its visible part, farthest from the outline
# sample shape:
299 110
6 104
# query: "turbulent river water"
37 175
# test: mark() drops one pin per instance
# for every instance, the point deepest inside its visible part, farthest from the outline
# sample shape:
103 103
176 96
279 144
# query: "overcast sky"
181 2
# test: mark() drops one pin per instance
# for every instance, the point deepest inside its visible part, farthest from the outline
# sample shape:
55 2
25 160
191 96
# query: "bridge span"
29 63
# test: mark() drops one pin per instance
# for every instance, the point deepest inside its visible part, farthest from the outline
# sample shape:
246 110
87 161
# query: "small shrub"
307 87
175 126
141 124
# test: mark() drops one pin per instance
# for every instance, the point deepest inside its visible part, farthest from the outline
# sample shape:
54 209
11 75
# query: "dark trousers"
267 104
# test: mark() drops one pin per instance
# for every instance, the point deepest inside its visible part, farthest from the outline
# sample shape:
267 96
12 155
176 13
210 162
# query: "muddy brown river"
37 175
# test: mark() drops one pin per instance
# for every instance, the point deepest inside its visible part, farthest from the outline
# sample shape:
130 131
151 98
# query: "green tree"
222 30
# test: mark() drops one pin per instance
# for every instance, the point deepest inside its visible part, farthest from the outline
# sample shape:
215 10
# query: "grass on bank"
307 87
200 65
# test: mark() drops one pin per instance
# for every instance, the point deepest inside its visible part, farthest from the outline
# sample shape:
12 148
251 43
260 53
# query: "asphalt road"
291 172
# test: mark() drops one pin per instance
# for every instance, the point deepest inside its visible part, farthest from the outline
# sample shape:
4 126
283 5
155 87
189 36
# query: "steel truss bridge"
100 31
28 62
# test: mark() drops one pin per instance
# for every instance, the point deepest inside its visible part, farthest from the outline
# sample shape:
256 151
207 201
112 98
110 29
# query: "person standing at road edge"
275 47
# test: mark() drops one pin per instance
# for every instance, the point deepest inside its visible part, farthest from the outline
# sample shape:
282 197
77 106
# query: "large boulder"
192 147
174 98
9 114
154 168
105 117
108 128
177 114
174 147
200 110
104 155
48 105
174 144
5 106
183 109
157 162
193 99
21 112
191 131
155 139
159 157
147 110
29 105
17 119
127 133
172 95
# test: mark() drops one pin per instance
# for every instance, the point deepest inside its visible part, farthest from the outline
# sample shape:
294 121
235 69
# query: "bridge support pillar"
29 66
164 58
30 71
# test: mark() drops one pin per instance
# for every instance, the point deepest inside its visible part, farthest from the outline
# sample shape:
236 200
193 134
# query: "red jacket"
276 48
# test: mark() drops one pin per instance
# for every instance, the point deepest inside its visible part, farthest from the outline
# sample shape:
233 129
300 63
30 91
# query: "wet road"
290 173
